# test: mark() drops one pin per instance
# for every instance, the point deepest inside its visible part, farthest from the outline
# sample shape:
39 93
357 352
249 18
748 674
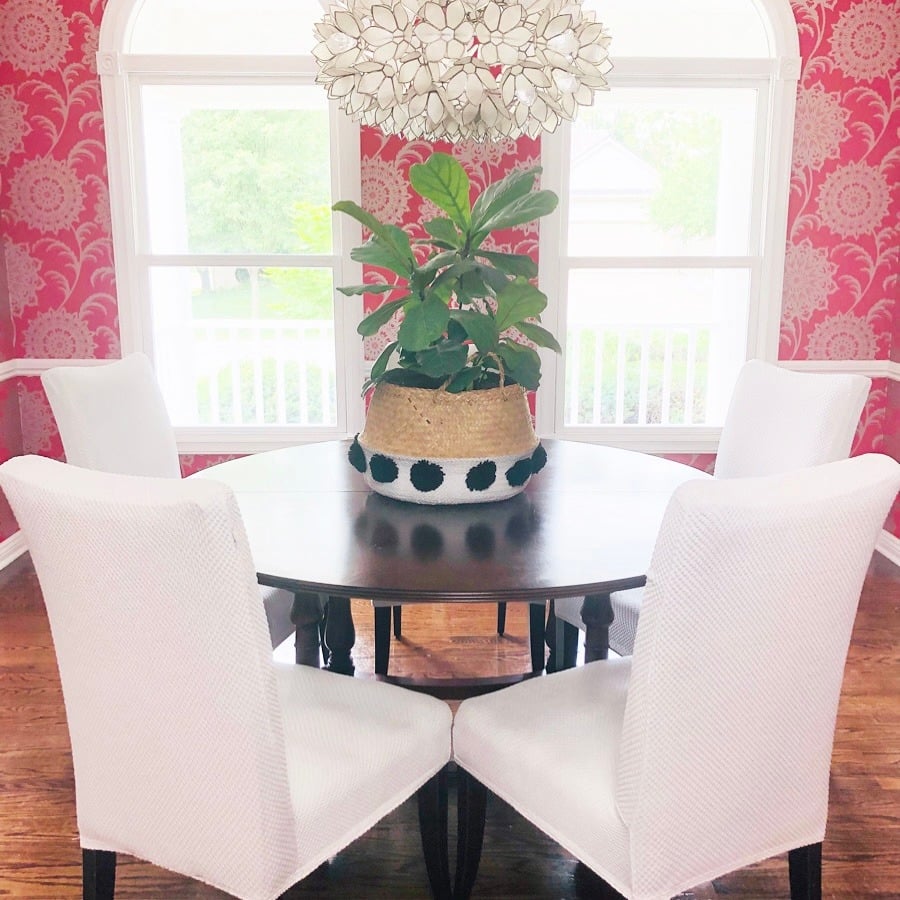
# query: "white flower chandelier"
461 69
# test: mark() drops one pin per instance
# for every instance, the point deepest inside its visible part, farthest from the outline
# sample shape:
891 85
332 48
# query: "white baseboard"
888 545
11 549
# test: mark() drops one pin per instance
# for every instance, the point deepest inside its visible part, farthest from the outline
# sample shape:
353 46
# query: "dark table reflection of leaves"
425 533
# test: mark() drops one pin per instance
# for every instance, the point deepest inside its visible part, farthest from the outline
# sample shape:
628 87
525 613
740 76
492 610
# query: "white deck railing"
282 372
257 371
623 374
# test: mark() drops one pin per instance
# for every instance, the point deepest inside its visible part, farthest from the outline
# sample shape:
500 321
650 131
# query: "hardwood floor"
40 858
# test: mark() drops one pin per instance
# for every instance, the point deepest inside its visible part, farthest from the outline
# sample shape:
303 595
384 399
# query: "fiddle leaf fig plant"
459 301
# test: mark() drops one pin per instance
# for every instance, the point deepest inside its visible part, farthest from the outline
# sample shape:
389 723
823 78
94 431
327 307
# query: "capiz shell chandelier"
461 69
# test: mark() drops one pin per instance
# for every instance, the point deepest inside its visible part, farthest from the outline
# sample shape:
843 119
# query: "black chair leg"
433 812
501 618
570 646
382 639
471 807
398 621
805 868
98 874
536 635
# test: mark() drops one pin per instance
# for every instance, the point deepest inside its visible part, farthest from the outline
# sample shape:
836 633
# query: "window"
225 159
664 261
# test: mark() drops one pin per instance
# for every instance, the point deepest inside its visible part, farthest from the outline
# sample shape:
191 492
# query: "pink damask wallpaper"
842 268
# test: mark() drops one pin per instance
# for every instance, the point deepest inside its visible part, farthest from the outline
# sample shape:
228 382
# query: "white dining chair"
113 418
665 770
777 421
192 748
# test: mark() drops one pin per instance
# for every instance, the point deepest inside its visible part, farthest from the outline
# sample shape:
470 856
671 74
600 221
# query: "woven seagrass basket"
431 446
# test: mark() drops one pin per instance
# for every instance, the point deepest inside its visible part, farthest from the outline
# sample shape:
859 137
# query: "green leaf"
521 363
444 230
463 380
443 180
381 363
423 324
438 261
511 263
378 317
481 329
519 301
539 335
525 209
494 278
355 289
394 239
443 359
377 253
501 193
411 378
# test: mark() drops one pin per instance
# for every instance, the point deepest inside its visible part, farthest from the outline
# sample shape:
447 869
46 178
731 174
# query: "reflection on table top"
585 524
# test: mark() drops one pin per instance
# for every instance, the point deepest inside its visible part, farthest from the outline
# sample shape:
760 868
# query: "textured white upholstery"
113 418
192 749
667 770
777 421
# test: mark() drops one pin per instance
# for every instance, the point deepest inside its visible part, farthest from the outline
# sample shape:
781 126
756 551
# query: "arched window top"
688 28
227 27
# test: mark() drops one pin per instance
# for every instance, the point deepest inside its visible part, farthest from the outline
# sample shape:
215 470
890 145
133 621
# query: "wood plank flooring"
40 856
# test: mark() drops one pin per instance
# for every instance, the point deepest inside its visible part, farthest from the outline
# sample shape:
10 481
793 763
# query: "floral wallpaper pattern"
842 269
842 266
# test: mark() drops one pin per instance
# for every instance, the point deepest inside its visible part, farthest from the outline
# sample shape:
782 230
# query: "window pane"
701 28
238 169
662 172
225 26
653 346
245 346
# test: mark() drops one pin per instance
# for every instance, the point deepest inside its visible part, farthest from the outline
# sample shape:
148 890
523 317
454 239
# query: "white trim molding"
888 545
11 549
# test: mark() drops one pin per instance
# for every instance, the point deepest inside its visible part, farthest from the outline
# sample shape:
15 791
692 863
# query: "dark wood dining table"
584 526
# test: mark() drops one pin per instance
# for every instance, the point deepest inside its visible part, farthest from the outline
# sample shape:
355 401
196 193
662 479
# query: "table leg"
306 614
340 635
550 637
597 615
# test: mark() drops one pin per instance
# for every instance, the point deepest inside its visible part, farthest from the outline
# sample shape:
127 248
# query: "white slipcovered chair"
112 418
664 770
192 748
777 421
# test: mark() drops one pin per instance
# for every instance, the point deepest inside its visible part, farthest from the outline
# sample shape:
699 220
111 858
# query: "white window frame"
122 75
775 81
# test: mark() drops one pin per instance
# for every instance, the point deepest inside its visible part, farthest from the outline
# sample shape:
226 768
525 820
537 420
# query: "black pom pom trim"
538 459
426 476
482 476
356 456
384 470
519 472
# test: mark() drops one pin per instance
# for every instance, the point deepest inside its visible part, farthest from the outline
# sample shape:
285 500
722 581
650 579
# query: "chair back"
113 418
166 670
779 420
738 661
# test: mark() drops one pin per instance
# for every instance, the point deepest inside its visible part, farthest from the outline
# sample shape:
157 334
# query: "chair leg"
501 618
471 806
433 812
98 874
382 639
536 635
805 868
570 645
398 621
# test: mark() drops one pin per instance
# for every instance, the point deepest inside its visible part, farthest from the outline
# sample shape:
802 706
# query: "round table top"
585 524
